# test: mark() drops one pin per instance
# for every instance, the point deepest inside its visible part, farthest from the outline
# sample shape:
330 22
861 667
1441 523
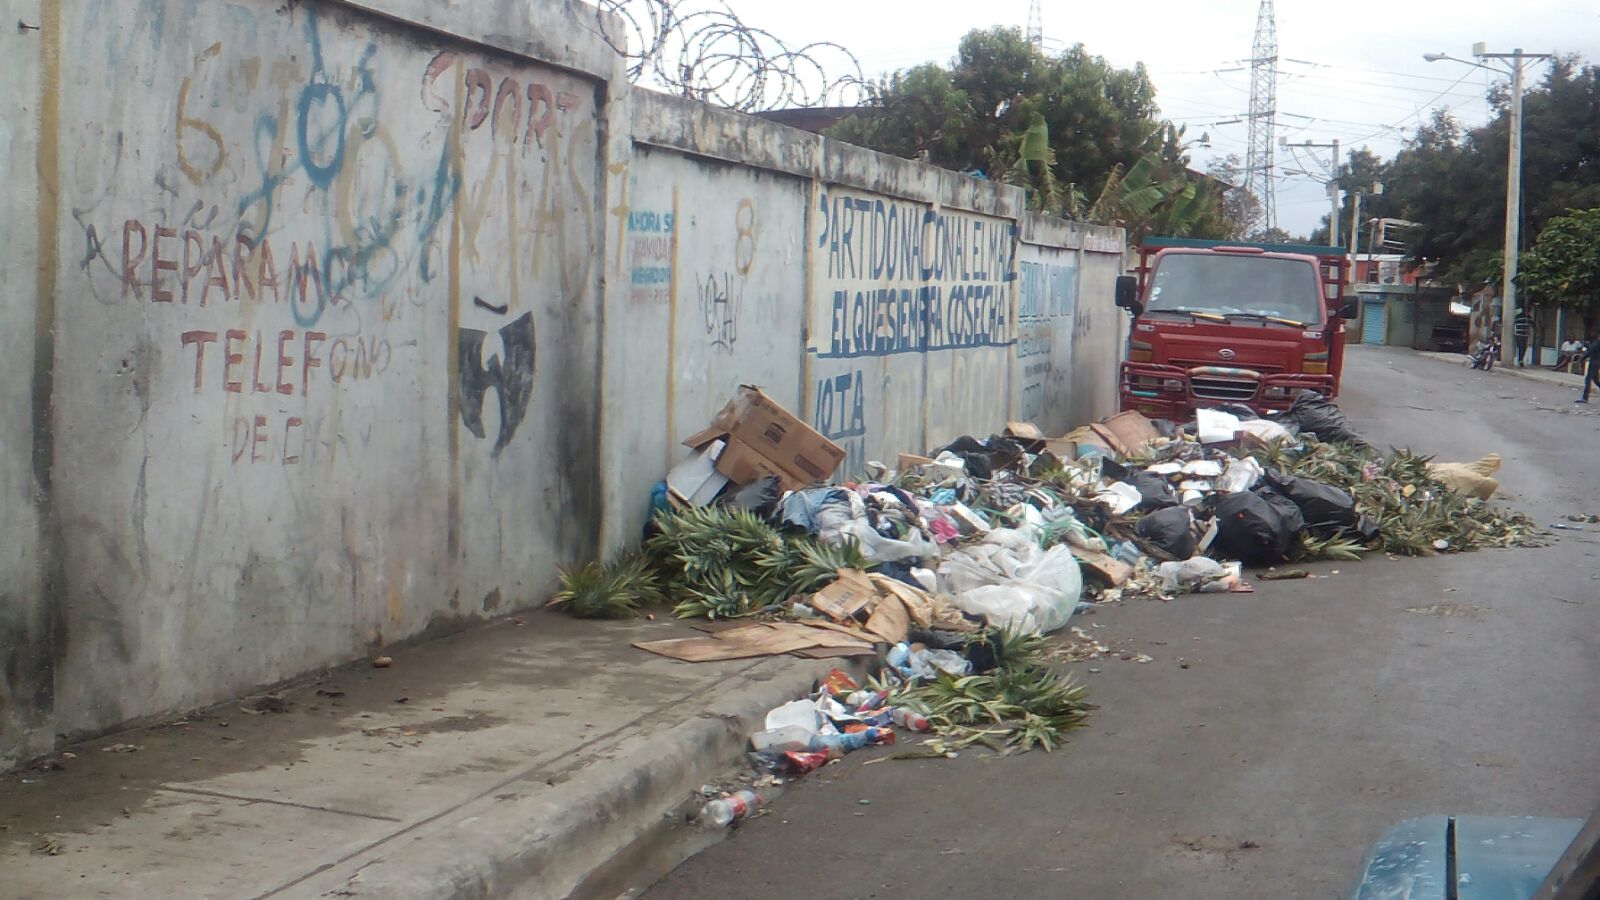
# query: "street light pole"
1508 285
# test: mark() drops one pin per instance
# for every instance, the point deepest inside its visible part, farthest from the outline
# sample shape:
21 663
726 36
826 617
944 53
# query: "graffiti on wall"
899 277
509 375
720 299
1047 299
894 280
313 196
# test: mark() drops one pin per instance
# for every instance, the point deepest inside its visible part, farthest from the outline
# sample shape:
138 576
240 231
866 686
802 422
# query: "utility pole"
1508 286
1333 182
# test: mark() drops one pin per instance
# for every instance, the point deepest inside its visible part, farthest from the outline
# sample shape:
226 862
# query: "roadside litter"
1012 531
950 566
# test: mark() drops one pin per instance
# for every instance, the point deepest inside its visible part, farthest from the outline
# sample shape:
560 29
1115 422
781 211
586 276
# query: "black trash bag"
1293 519
1327 510
1313 413
1165 427
1254 529
1155 492
984 458
760 497
1169 530
972 452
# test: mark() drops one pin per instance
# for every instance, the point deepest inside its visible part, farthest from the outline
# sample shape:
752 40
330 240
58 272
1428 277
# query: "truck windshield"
1227 285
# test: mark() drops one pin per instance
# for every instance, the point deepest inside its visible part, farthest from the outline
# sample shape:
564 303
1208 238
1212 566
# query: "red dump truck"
1218 322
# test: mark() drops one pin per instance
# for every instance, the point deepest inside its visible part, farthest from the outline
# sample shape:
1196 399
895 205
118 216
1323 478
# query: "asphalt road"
1310 716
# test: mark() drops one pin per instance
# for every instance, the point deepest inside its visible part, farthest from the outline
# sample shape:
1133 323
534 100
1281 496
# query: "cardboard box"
696 481
1072 443
909 461
1132 429
765 439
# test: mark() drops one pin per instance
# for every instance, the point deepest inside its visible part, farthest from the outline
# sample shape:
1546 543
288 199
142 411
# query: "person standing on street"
1521 331
1591 371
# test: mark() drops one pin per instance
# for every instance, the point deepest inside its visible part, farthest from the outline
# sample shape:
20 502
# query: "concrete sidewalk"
1530 373
512 758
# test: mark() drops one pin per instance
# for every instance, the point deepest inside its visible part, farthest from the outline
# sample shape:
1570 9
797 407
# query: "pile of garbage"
1013 530
958 561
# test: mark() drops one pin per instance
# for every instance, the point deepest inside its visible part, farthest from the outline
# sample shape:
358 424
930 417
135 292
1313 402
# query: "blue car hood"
1465 858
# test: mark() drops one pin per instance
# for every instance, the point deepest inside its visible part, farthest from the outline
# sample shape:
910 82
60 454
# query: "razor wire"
712 56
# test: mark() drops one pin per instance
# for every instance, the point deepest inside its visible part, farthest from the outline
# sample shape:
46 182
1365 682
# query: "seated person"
1571 353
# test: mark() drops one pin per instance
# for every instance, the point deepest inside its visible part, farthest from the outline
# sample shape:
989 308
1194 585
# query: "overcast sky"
1351 70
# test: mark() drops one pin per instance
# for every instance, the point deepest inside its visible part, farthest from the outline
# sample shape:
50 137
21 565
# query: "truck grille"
1210 387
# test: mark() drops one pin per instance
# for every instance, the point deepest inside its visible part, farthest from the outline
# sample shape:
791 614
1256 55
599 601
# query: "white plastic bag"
1011 583
1200 574
1120 497
1215 426
1241 475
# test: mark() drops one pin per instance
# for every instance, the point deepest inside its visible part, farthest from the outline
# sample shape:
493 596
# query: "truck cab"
1218 322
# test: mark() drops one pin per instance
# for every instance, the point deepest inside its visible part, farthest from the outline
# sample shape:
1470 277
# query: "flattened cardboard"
845 597
1114 571
889 620
835 652
700 649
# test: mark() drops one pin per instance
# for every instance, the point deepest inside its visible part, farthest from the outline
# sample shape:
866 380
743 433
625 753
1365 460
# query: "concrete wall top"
1049 231
697 128
562 33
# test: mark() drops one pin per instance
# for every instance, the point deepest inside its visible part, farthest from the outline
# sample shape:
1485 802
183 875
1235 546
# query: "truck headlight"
1276 392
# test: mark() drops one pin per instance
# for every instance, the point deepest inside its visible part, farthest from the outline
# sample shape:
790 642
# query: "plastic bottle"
908 719
899 655
845 743
736 805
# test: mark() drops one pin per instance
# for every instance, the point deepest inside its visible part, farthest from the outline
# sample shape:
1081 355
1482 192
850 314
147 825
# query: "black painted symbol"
509 374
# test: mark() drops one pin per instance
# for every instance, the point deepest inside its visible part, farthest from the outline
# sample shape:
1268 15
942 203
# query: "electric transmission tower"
1263 114
1036 25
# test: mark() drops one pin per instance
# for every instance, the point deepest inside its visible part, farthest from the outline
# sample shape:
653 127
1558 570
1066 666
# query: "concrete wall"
336 322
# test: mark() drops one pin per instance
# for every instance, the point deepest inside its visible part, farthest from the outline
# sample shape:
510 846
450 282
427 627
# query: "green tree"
1453 180
1067 128
1564 266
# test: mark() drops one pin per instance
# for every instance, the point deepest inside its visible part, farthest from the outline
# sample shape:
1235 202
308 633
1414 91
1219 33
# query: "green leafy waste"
1416 514
615 591
1021 704
721 563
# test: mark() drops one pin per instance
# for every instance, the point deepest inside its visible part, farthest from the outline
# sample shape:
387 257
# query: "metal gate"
1372 329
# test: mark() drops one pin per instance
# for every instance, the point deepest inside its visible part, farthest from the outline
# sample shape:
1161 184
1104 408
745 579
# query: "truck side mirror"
1348 307
1128 294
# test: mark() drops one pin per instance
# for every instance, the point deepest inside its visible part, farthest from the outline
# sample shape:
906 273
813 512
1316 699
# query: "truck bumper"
1174 393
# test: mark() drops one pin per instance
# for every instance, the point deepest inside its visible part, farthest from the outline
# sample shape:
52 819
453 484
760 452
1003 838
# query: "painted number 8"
744 222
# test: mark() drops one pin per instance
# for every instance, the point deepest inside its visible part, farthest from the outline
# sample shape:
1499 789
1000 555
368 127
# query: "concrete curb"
540 833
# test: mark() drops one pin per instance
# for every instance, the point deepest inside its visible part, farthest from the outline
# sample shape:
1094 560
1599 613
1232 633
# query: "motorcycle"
1485 353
